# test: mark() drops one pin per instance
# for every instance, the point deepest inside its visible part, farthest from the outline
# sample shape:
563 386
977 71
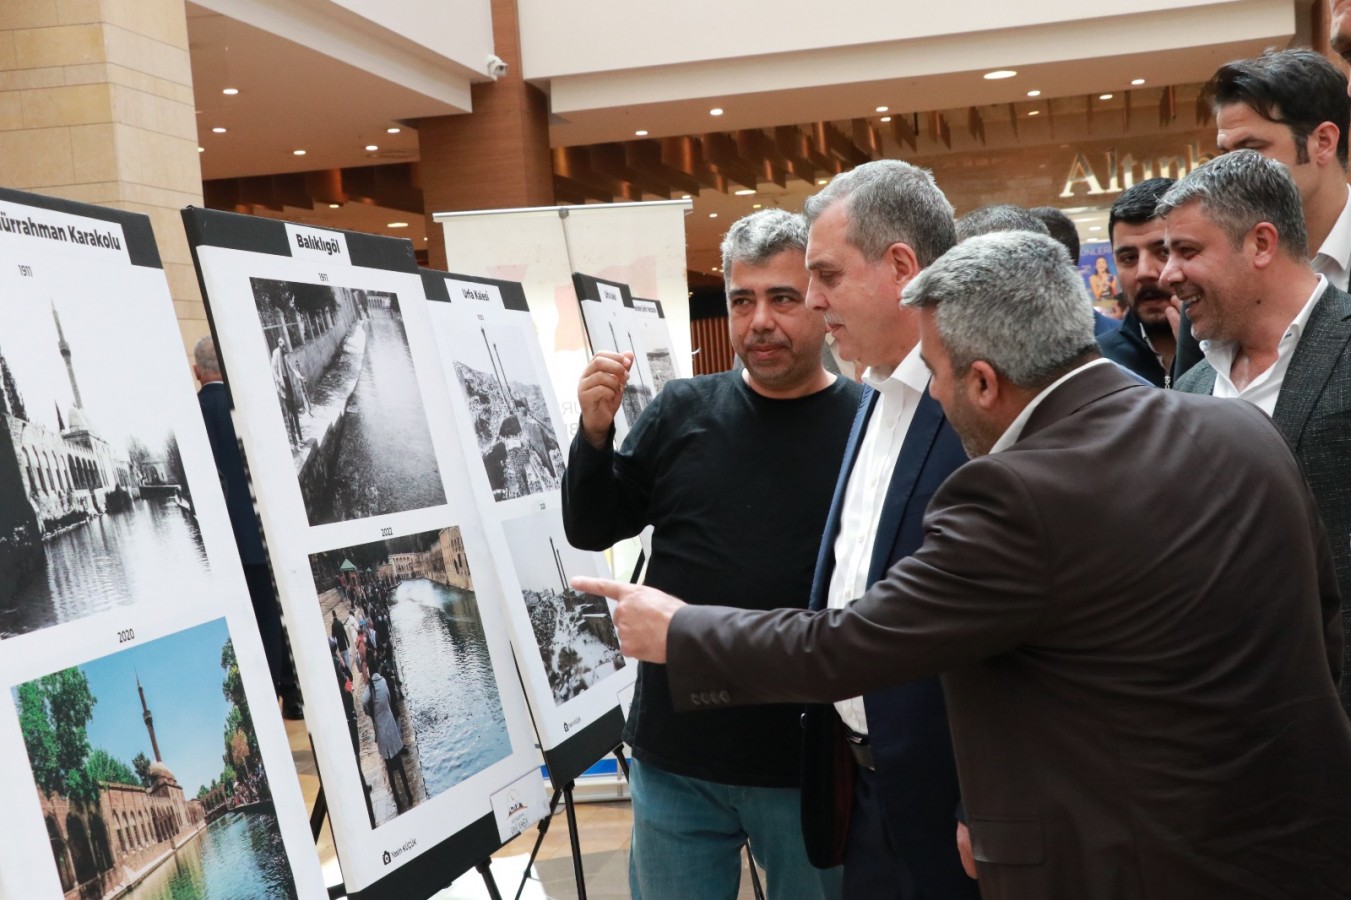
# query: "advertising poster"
566 642
1097 266
385 576
145 754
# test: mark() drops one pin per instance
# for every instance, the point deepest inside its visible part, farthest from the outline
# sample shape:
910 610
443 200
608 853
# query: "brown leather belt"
863 752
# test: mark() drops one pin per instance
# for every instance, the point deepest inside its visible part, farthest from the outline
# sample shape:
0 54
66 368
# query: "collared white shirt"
1333 259
1015 429
1263 390
880 448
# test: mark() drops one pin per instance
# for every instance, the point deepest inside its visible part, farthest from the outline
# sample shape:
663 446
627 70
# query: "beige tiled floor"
603 830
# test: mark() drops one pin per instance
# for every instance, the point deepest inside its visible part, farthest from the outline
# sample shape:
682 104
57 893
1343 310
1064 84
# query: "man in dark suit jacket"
214 399
1125 731
888 814
1273 332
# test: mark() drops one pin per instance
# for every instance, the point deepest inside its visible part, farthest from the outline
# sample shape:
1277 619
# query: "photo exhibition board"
510 420
389 596
142 742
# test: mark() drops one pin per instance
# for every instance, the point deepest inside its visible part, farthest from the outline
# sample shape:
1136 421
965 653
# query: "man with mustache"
734 472
1145 343
1274 332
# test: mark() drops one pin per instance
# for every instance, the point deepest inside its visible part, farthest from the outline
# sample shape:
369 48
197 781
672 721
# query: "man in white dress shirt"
887 814
1292 106
1274 332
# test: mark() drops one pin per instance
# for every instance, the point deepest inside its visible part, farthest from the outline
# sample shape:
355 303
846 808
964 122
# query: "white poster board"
141 735
382 566
510 420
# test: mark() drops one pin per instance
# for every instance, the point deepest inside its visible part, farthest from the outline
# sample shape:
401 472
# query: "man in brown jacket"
1124 731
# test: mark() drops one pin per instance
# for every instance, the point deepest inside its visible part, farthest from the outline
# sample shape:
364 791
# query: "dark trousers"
879 867
394 766
268 614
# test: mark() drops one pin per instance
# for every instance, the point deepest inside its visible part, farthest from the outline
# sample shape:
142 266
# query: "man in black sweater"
735 472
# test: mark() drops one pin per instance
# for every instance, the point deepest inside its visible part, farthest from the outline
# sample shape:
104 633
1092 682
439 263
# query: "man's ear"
1322 144
982 383
1265 243
902 264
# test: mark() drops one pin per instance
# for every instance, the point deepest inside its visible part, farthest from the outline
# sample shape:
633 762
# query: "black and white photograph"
574 631
149 774
95 508
612 329
349 394
657 343
411 661
503 390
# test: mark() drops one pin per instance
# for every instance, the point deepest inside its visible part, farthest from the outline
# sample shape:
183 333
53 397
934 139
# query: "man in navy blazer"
879 782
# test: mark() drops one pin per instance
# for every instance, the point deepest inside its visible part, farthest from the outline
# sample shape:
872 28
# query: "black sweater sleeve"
606 494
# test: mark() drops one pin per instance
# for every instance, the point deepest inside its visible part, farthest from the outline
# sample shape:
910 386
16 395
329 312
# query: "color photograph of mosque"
95 508
149 774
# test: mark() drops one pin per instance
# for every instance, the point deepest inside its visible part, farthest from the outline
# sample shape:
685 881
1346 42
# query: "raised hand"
599 393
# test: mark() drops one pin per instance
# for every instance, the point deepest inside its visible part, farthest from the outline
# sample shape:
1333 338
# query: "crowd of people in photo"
362 646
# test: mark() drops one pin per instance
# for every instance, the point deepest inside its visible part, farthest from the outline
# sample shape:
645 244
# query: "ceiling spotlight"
1034 93
335 206
397 225
230 92
755 206
1034 112
1104 96
393 130
1095 228
712 215
885 119
999 74
881 109
684 196
298 152
641 132
744 192
218 130
372 148
715 111
201 149
1137 81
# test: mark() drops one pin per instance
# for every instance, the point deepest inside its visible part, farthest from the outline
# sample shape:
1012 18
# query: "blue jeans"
688 834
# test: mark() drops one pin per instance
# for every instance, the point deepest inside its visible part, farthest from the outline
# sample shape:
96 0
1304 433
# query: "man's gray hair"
890 202
1239 190
1012 299
757 238
204 355
998 217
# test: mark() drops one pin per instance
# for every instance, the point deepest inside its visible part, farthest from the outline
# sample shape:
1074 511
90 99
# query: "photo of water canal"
95 506
424 711
149 774
348 392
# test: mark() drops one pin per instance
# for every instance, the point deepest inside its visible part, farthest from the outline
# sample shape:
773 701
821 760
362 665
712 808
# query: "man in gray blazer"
1126 731
1273 332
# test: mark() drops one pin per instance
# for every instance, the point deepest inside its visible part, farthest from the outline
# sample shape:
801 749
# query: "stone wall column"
96 105
496 157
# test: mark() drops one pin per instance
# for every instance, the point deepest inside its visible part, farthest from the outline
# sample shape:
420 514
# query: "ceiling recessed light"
1034 93
999 74
201 149
1137 81
1034 112
881 109
298 152
885 119
745 192
1095 228
372 147
398 225
755 206
641 132
823 181
230 92
1104 96
335 206
684 196
393 130
712 215
218 130
715 111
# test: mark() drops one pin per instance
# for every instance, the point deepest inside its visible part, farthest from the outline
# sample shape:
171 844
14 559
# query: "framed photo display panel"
567 648
385 575
137 714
